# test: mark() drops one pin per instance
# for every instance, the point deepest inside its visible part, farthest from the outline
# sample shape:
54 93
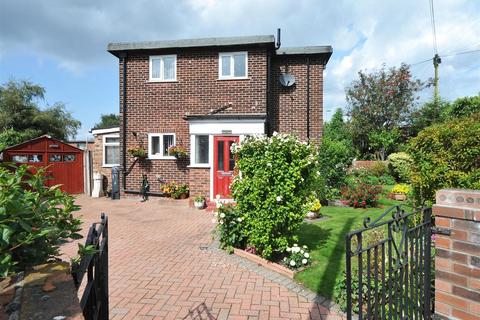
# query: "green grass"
326 242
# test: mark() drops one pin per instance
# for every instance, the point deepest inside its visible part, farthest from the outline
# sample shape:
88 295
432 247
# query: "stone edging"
13 308
265 263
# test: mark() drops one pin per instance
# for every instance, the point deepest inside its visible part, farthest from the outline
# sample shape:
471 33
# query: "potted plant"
138 152
314 208
199 202
399 191
178 152
180 192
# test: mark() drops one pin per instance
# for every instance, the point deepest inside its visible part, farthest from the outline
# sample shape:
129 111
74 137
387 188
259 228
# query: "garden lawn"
326 244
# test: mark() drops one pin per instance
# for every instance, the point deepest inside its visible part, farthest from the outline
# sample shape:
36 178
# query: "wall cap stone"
458 198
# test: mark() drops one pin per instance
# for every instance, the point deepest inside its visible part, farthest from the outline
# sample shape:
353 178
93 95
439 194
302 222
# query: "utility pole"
436 99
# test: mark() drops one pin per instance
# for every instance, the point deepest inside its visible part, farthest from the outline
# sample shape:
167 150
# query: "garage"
65 162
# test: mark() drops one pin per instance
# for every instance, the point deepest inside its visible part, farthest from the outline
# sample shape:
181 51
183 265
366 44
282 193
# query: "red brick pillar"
457 261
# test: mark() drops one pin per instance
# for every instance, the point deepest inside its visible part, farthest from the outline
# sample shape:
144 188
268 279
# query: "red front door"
223 165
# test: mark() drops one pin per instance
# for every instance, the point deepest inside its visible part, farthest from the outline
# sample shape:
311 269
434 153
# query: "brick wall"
289 104
457 261
156 107
199 182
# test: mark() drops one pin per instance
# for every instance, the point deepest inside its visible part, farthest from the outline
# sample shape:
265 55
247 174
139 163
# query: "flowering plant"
230 227
178 152
138 152
400 188
174 190
315 205
296 257
361 195
277 176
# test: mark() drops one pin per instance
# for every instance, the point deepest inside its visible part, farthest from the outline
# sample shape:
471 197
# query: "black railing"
389 267
94 301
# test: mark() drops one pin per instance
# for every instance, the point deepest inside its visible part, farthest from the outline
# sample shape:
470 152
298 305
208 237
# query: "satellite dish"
287 80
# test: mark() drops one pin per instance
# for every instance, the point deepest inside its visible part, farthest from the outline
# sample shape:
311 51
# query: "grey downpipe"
124 122
308 99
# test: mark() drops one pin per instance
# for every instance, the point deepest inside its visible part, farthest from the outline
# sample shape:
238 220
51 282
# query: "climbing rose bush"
277 175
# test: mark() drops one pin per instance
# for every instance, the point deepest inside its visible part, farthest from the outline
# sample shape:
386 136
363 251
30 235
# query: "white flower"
222 215
318 173
302 252
295 245
306 255
218 204
221 221
218 197
289 249
239 219
304 247
304 261
279 198
269 165
275 133
292 263
215 214
285 259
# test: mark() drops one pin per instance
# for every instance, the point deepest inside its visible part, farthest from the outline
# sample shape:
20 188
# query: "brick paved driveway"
163 266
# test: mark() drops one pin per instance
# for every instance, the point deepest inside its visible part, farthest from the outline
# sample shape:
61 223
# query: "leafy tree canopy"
108 121
21 117
380 101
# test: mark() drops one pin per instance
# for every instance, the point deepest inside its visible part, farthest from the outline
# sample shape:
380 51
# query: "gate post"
457 248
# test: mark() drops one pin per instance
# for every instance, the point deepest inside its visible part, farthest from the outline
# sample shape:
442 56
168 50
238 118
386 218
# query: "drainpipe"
270 111
124 123
308 99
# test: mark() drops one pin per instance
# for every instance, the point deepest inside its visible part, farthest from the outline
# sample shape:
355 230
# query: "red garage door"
64 162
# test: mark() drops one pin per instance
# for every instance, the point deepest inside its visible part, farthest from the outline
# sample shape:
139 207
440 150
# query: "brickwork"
199 182
457 261
160 107
289 104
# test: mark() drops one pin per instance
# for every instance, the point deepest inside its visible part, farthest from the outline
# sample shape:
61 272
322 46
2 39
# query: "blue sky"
61 45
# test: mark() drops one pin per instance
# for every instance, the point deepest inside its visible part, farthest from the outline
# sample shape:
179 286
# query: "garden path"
164 265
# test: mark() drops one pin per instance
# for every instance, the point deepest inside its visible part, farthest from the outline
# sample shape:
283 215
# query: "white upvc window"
158 144
200 150
163 68
233 65
111 150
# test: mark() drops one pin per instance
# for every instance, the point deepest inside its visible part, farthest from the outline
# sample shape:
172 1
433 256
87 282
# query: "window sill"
110 165
200 166
161 158
161 81
239 78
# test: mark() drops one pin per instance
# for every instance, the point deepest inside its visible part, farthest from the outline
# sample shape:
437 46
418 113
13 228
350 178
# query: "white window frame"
232 66
193 162
105 144
161 79
160 135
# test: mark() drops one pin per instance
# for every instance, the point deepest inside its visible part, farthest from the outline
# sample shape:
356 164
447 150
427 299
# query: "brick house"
204 95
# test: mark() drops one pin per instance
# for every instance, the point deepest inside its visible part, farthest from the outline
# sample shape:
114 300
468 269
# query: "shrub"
34 219
296 257
230 226
334 159
399 165
378 169
446 156
366 176
181 189
360 194
277 176
400 188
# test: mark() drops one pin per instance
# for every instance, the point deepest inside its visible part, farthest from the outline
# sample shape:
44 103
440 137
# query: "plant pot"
400 196
312 215
199 204
183 196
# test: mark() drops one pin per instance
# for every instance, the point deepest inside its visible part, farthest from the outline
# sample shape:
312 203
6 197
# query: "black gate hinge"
441 231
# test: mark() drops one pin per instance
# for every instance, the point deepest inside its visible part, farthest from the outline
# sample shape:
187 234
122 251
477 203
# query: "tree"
108 121
380 101
21 118
465 106
429 114
384 142
336 129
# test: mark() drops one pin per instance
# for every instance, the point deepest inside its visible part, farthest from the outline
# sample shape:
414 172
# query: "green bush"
230 226
34 219
334 159
400 165
360 194
446 156
365 175
277 176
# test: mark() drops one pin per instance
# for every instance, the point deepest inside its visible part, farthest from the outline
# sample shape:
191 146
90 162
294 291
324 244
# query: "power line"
434 29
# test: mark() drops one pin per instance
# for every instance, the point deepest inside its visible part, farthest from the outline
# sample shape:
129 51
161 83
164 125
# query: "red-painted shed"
65 161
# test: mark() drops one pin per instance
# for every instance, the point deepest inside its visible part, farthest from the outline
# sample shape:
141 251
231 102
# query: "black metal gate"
389 266
94 301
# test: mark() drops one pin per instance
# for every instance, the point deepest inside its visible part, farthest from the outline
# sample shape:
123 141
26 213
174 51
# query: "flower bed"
267 264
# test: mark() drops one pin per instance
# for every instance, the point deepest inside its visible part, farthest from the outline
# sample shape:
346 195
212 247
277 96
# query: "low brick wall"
457 261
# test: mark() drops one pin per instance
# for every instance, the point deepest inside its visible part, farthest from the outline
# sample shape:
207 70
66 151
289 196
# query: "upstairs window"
163 68
158 144
233 65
